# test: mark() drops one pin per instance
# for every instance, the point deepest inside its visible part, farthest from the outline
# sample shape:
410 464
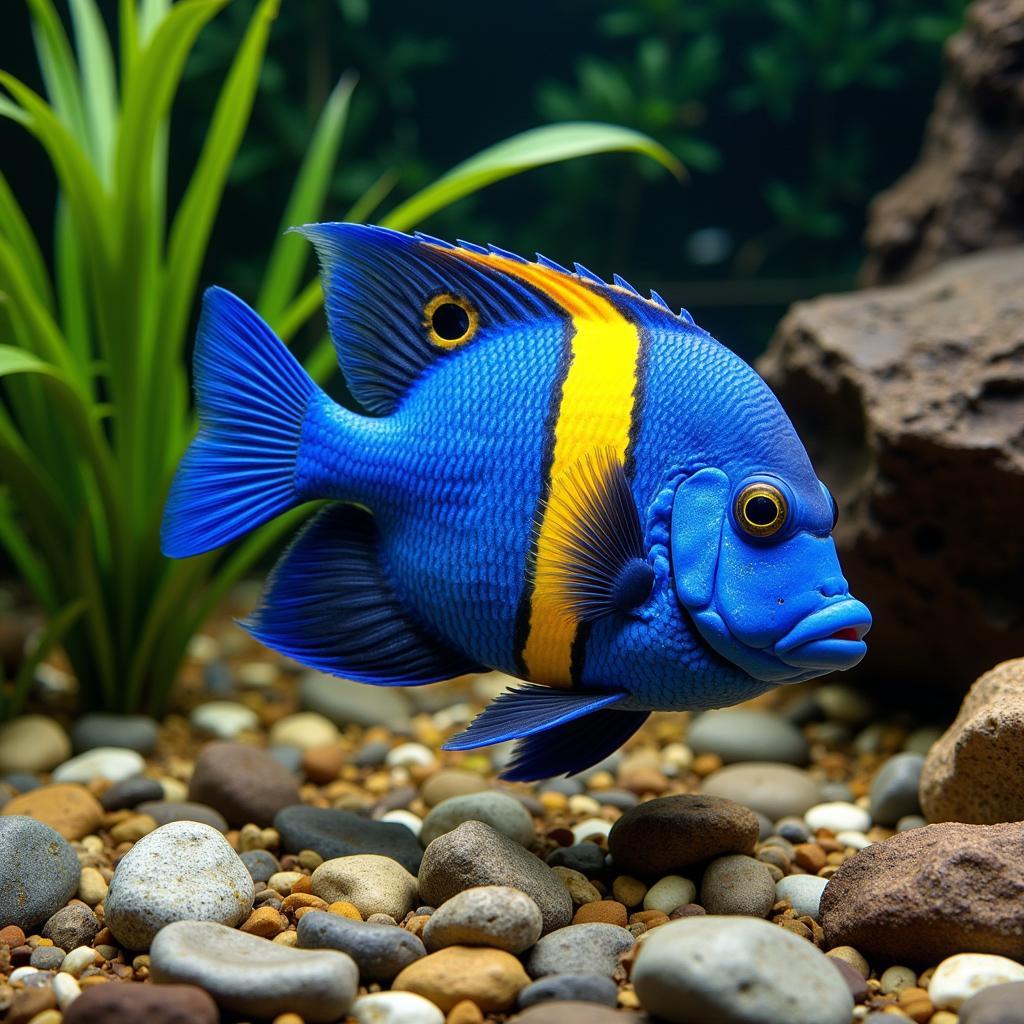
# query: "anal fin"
329 604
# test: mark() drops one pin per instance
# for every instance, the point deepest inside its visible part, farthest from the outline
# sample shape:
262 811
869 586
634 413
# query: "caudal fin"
252 396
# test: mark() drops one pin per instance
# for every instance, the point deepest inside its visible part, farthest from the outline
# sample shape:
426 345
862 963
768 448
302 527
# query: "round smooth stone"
579 949
260 864
372 884
303 730
910 821
586 858
837 816
854 840
583 988
736 970
32 743
775 790
893 792
405 755
224 719
491 978
249 975
395 1008
379 950
163 812
131 792
46 958
738 734
591 827
737 885
115 764
154 1004
803 892
487 915
670 892
183 871
136 732
959 977
39 872
997 1004
794 830
345 702
498 810
449 782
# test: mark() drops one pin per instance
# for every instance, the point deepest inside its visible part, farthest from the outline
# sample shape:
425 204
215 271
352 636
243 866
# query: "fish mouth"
829 639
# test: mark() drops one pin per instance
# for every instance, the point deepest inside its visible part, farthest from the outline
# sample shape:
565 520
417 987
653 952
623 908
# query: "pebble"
668 893
803 892
736 884
243 783
78 960
183 871
400 816
154 1004
97 729
371 883
999 1004
69 809
66 990
407 754
249 975
449 782
163 812
574 1012
589 828
46 958
602 912
670 833
38 872
380 951
584 988
498 810
289 758
579 949
775 790
131 792
224 719
487 915
580 890
737 970
32 743
741 734
345 702
837 816
909 821
304 730
854 840
959 977
336 833
476 854
491 978
72 926
20 782
844 704
260 864
586 858
395 1008
895 979
794 830
893 792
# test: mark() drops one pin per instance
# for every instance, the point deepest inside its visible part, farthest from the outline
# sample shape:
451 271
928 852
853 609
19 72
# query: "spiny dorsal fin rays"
623 283
588 275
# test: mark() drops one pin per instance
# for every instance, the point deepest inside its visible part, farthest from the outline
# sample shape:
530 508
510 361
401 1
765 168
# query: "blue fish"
554 476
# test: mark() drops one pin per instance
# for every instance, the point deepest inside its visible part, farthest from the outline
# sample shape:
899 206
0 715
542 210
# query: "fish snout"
829 639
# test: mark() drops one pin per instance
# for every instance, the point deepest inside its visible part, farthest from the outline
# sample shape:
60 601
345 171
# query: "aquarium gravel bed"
291 847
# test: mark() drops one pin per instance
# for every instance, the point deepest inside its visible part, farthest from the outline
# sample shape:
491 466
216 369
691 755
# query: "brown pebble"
628 890
12 936
104 1003
651 918
809 856
852 957
687 910
69 809
132 829
303 899
920 1011
345 909
302 885
28 1002
603 911
322 764
265 922
288 1018
704 764
416 924
466 1012
491 978
794 926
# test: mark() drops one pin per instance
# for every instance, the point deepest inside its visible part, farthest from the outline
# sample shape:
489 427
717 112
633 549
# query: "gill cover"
698 514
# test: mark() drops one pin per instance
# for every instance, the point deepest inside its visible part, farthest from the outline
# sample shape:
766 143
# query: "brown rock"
265 922
929 893
69 809
568 1011
466 1012
491 978
322 764
73 926
244 783
975 772
28 1002
966 191
154 1004
671 833
603 911
910 400
11 936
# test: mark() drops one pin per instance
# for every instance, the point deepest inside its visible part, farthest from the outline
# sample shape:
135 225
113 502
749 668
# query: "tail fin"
252 397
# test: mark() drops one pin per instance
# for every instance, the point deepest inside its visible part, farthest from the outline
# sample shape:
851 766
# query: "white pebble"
803 892
203 648
77 960
65 990
854 840
670 892
958 977
590 827
304 729
838 816
895 979
406 754
676 759
395 1008
224 718
457 714
402 817
20 973
111 763
174 790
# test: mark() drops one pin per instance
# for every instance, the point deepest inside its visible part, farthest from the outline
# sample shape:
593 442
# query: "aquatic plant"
95 408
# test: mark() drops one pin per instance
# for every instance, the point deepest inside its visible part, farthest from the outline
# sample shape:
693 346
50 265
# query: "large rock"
966 191
975 772
910 400
929 893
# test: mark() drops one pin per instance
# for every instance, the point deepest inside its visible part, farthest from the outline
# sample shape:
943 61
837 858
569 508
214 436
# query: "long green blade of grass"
60 72
15 228
99 88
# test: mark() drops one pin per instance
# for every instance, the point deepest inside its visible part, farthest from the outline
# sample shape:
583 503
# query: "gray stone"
260 864
131 792
371 754
163 812
21 782
893 791
586 858
775 790
737 970
289 758
38 871
251 976
739 734
623 799
567 786
498 810
96 729
997 1004
47 958
72 926
486 915
476 854
583 988
345 702
579 949
184 871
737 885
803 892
379 950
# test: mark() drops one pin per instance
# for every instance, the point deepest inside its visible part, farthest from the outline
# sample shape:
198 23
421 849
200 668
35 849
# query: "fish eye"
835 509
450 320
761 509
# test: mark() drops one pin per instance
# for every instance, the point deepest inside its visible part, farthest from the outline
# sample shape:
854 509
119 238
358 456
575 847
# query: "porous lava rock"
966 191
929 893
911 402
975 772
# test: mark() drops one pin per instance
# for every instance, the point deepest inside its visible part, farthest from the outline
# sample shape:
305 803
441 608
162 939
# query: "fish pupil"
450 321
761 510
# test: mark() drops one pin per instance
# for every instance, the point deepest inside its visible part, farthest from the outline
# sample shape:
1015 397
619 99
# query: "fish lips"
830 639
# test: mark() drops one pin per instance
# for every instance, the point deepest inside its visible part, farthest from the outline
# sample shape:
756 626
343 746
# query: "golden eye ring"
450 321
761 509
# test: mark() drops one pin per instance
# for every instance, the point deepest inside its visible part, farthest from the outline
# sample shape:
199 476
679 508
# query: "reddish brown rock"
929 893
153 1004
69 809
975 772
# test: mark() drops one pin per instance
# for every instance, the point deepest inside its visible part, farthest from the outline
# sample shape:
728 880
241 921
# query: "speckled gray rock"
739 734
487 915
371 883
803 892
72 926
38 871
131 792
96 729
582 988
183 871
893 793
775 790
251 976
579 949
163 812
345 702
260 864
498 810
47 958
476 854
379 950
737 970
737 885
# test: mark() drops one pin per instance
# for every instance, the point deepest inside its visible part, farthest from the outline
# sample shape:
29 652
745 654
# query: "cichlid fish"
557 478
